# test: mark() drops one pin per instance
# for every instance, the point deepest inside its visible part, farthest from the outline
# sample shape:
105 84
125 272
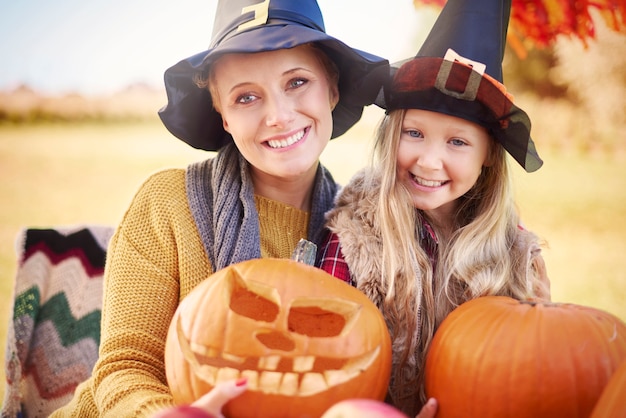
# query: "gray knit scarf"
221 199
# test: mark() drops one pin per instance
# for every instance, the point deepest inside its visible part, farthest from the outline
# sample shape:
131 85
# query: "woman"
268 95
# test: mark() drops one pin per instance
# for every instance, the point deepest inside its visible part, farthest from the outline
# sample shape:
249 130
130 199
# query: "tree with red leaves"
537 23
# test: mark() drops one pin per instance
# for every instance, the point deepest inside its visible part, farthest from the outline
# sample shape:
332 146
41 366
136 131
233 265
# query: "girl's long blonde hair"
475 260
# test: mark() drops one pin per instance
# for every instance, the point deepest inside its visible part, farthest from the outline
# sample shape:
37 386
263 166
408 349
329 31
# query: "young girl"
433 223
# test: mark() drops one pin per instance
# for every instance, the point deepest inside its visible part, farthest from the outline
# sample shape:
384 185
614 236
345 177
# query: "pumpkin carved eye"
257 302
315 322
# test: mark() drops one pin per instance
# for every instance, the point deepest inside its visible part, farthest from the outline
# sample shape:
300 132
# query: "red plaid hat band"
459 87
453 76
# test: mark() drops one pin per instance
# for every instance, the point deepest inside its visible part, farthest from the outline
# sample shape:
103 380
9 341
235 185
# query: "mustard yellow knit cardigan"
154 260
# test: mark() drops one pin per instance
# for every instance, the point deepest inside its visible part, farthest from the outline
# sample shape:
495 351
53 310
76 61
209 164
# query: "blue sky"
99 46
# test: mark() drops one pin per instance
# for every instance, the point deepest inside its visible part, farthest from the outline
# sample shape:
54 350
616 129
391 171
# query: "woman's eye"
457 142
245 98
297 82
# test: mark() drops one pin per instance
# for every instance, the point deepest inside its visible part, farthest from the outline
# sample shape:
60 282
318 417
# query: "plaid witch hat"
458 71
246 26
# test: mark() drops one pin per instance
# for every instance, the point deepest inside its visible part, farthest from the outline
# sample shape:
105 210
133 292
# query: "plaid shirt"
332 261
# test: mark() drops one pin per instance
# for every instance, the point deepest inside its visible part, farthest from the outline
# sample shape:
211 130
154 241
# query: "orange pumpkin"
612 402
495 356
304 339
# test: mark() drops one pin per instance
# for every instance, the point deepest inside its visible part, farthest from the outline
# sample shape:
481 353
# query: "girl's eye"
245 98
414 133
297 82
457 142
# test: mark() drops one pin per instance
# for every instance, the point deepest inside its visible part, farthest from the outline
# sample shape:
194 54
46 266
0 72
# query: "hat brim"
189 114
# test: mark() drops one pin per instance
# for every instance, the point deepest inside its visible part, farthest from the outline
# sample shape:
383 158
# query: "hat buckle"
261 13
473 83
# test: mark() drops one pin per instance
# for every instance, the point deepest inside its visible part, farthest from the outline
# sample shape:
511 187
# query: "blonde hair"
475 260
206 79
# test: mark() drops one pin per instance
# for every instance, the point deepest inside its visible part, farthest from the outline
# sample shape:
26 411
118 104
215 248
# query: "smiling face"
439 159
277 106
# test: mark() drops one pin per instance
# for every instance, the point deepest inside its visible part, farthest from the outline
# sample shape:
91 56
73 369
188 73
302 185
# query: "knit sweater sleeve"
154 259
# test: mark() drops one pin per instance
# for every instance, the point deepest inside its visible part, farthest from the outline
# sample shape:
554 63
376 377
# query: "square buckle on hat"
261 12
471 88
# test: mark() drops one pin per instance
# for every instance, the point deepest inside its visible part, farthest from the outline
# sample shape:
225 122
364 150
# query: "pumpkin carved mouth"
275 374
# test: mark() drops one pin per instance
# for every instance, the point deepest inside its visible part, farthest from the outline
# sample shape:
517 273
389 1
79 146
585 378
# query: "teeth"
227 373
289 384
270 381
363 362
303 363
253 378
301 381
282 143
204 351
337 377
269 362
427 183
207 373
232 358
312 383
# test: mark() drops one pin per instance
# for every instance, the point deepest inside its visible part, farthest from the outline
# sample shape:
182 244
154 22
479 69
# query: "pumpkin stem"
305 252
534 302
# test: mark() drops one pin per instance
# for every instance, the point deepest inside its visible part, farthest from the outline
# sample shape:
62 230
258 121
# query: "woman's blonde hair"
475 260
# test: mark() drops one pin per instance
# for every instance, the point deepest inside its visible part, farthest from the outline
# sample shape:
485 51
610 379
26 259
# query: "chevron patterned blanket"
53 337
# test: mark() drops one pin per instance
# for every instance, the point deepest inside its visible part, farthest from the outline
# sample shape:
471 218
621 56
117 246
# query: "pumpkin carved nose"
276 340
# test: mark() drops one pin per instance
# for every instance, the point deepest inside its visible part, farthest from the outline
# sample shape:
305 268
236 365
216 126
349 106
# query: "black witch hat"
458 71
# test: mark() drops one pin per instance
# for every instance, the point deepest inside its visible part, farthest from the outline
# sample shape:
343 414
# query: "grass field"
72 174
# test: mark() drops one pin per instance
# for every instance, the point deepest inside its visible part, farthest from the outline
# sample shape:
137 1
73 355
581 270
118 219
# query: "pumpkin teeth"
227 373
233 358
303 363
253 379
289 384
312 383
359 364
207 373
337 377
269 362
351 370
270 381
204 350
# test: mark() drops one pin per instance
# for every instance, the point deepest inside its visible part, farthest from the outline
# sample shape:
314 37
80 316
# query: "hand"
213 401
210 405
429 410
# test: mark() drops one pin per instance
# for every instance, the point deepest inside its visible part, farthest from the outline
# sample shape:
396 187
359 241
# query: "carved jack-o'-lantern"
303 339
